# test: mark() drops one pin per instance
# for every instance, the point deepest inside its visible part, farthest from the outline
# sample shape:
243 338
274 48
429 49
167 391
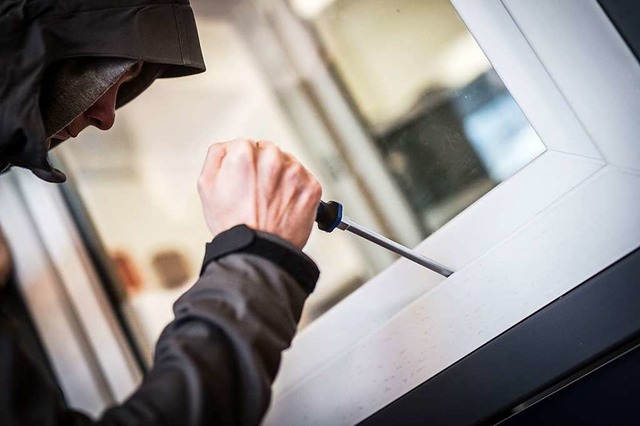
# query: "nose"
102 114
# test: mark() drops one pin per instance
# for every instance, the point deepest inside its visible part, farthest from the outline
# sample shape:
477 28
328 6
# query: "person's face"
101 114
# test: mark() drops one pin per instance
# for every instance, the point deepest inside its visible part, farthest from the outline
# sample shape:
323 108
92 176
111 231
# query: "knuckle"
316 189
306 197
265 143
274 167
216 147
245 148
241 150
293 175
297 169
290 158
291 180
272 153
238 141
273 149
215 151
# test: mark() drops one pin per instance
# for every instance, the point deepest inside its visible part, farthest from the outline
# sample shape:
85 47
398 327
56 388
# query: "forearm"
216 361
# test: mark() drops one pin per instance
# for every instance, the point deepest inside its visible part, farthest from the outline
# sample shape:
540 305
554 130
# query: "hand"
256 184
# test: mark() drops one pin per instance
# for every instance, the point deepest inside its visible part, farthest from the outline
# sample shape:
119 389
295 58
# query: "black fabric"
235 239
23 361
35 34
14 312
625 15
243 239
213 365
606 396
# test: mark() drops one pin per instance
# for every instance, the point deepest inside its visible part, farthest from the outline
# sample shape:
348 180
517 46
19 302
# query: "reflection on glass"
442 119
441 123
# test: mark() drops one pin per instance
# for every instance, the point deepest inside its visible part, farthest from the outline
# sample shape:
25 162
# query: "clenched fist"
257 184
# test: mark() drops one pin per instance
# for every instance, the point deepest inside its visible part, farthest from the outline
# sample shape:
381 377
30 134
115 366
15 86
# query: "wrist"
243 239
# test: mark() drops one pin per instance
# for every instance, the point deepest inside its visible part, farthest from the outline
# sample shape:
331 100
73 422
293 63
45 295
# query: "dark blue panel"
596 318
607 396
625 15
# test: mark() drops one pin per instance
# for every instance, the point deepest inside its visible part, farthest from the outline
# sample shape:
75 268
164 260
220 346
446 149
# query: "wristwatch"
242 239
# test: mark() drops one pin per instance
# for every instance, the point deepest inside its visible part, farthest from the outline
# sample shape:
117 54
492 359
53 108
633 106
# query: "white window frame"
569 214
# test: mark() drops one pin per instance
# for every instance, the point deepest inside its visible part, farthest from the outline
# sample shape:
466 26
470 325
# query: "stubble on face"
100 114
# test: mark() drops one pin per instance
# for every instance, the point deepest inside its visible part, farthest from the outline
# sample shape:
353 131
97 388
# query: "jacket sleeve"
214 364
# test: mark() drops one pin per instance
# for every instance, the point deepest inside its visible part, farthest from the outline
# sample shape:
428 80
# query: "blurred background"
390 103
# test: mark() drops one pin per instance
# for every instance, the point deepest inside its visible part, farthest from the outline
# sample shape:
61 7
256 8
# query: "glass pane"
444 122
422 98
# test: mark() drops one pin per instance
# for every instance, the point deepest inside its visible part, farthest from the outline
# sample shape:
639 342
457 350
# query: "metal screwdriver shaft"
330 217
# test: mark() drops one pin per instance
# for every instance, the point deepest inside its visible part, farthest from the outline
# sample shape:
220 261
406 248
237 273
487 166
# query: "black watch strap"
242 239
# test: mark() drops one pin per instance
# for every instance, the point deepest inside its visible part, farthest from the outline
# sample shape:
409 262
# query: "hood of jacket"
34 34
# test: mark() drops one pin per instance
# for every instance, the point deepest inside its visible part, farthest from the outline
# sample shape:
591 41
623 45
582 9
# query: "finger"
289 158
270 164
292 182
262 144
315 189
213 160
242 150
240 163
310 192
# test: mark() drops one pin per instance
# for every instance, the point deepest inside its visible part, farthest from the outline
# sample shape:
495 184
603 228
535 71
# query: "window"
561 219
422 107
443 122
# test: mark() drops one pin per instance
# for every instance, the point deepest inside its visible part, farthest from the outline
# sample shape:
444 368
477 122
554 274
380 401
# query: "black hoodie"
214 364
35 34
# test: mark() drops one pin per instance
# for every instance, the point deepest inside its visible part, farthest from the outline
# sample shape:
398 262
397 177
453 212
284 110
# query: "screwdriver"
329 217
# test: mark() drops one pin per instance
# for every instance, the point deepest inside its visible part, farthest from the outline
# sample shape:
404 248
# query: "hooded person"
37 36
214 364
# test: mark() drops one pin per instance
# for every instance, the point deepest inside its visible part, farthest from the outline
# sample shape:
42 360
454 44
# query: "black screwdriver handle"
329 215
